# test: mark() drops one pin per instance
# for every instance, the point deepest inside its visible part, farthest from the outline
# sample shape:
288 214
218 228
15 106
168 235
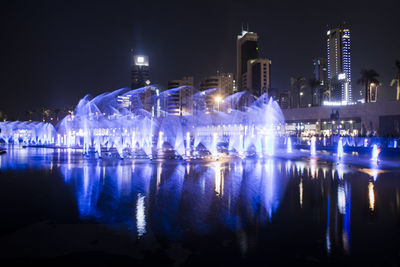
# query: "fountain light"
313 146
340 149
375 153
289 145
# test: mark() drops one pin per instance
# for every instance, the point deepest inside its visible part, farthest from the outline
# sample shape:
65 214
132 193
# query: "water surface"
58 205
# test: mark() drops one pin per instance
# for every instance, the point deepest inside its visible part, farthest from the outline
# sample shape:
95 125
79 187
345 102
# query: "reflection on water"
171 198
371 195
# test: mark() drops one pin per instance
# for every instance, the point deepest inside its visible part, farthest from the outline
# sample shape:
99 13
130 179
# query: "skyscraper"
140 71
258 76
247 48
339 64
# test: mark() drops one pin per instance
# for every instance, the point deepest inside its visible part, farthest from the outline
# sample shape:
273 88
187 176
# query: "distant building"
140 71
247 48
257 79
179 102
321 75
339 64
223 81
381 118
284 99
146 98
224 84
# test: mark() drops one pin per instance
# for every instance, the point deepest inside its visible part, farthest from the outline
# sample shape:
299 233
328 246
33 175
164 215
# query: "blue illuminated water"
236 212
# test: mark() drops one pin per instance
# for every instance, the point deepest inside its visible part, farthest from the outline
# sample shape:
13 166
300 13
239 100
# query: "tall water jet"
312 146
375 153
269 144
160 139
214 145
187 144
340 149
289 145
241 145
98 148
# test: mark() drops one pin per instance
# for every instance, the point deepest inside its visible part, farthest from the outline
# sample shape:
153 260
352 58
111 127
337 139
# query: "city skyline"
58 59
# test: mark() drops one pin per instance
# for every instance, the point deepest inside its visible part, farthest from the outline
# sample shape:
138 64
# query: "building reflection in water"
338 212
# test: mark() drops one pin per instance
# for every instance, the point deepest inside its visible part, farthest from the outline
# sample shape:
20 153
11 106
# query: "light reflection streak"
140 215
219 179
159 170
301 193
313 167
371 195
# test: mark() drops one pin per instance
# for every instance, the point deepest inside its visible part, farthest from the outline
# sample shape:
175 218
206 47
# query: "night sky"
55 52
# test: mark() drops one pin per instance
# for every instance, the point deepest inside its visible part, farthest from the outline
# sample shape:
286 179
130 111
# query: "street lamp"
301 94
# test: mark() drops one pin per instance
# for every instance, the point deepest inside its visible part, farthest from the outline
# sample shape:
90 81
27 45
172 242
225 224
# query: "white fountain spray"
340 149
375 153
312 146
289 145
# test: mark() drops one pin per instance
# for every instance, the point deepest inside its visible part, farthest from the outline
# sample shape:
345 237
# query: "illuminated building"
223 82
140 71
179 101
247 48
339 64
257 79
381 118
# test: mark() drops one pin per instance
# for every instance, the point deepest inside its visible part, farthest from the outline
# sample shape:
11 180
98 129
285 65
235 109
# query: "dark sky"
55 52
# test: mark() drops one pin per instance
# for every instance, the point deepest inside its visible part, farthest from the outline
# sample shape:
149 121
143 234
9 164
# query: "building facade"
224 84
140 71
247 48
382 118
179 97
258 76
339 64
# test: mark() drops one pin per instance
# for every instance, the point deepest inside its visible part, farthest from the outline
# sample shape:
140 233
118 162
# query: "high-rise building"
257 79
339 64
179 102
247 48
321 75
140 71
